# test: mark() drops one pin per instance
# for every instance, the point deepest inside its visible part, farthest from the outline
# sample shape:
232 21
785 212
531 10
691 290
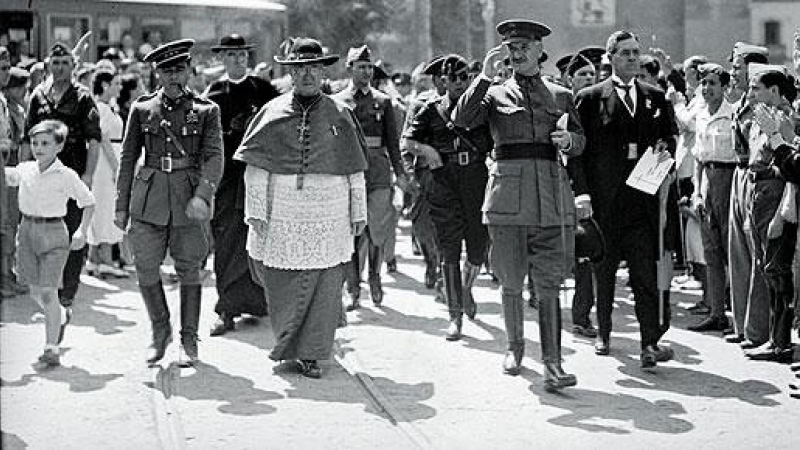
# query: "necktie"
627 97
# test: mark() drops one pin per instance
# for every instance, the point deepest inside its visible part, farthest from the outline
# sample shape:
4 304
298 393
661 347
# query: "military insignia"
192 117
648 104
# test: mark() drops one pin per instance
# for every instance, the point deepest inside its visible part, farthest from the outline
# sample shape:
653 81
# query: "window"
772 32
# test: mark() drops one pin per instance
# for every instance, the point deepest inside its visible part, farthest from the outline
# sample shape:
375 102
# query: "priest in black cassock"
239 97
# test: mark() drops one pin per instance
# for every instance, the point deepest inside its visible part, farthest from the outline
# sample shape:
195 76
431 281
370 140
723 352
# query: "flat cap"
171 53
756 69
516 29
17 77
358 54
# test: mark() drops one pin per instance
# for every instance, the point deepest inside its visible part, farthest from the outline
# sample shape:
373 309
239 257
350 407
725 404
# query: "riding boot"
190 317
550 334
470 273
513 315
454 297
156 303
375 262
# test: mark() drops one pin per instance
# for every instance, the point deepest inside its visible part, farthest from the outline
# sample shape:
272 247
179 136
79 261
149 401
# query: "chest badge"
192 117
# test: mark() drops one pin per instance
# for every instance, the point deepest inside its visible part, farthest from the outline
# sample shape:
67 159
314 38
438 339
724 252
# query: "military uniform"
376 116
529 206
456 194
182 144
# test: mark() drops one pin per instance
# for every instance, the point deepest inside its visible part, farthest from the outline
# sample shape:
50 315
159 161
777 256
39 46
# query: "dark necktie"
627 97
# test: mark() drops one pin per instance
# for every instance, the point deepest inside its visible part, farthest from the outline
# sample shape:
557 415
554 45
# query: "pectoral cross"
303 128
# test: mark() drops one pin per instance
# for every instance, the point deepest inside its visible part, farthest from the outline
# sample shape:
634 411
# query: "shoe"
309 368
453 332
734 338
65 302
107 270
376 290
391 266
555 378
91 268
795 367
222 325
747 344
512 363
188 357
354 304
65 320
663 354
50 358
768 352
585 330
431 276
710 324
648 359
602 347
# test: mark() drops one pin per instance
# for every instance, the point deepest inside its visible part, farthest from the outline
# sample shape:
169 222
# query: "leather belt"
761 174
168 163
37 219
526 151
721 165
462 158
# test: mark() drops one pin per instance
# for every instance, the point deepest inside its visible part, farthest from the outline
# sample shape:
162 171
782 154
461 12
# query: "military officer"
377 119
529 206
170 198
457 188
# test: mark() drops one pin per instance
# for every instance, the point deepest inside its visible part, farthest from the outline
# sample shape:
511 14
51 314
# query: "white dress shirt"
621 92
45 194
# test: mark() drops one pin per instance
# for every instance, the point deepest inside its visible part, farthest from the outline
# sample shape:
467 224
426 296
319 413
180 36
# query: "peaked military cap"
358 54
453 64
59 49
434 67
593 53
231 42
171 53
577 63
563 62
522 29
304 50
17 77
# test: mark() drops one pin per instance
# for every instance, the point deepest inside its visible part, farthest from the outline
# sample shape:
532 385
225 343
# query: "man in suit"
623 118
169 199
528 207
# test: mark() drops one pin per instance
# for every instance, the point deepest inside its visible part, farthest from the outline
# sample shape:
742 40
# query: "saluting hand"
493 55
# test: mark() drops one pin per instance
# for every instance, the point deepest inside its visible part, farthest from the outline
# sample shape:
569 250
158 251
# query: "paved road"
394 383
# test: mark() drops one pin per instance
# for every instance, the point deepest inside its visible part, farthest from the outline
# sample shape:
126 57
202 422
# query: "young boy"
45 186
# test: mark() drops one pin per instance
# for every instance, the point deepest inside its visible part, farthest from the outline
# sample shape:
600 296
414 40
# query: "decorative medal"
192 117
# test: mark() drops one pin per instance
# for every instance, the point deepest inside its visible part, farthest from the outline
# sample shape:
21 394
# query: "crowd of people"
297 186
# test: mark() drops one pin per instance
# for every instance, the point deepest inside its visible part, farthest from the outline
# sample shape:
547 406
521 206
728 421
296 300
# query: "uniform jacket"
429 127
533 192
376 116
607 160
78 111
159 197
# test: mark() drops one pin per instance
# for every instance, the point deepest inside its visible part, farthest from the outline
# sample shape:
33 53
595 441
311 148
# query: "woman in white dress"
103 234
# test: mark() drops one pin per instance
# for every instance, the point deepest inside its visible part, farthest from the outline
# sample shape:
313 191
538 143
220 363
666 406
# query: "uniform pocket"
140 190
503 189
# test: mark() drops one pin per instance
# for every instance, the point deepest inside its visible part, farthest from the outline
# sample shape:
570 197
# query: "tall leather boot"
513 315
156 303
453 295
375 262
550 334
190 317
469 274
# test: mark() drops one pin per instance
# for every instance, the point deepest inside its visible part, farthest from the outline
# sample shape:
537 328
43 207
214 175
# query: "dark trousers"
637 244
71 277
583 300
456 197
714 229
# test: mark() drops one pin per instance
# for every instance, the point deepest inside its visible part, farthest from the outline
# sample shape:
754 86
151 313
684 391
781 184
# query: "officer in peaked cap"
561 65
376 116
529 204
169 200
593 53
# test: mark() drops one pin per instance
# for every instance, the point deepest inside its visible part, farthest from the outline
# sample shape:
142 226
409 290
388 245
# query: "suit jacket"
607 159
159 197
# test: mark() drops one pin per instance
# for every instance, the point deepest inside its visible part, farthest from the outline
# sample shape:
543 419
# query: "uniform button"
169 140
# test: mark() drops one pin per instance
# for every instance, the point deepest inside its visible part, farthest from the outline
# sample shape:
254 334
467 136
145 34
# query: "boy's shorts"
42 251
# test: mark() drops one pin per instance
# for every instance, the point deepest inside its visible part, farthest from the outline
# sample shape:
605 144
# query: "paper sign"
649 172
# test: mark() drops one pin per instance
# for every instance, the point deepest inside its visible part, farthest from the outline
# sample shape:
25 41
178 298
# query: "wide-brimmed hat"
232 42
299 51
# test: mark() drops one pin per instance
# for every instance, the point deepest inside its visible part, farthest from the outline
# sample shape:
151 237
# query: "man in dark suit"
622 118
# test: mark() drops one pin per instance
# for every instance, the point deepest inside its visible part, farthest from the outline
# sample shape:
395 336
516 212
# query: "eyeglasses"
454 77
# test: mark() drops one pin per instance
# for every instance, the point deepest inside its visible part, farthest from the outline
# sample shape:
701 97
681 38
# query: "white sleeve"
79 191
13 177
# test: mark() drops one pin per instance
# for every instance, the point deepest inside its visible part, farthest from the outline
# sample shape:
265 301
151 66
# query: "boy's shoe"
50 358
108 270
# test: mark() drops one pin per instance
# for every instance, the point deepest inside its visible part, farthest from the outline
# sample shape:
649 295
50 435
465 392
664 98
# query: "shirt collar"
56 166
618 81
354 89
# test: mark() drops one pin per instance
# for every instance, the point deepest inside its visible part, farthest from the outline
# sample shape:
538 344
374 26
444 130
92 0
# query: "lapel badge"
192 117
648 103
